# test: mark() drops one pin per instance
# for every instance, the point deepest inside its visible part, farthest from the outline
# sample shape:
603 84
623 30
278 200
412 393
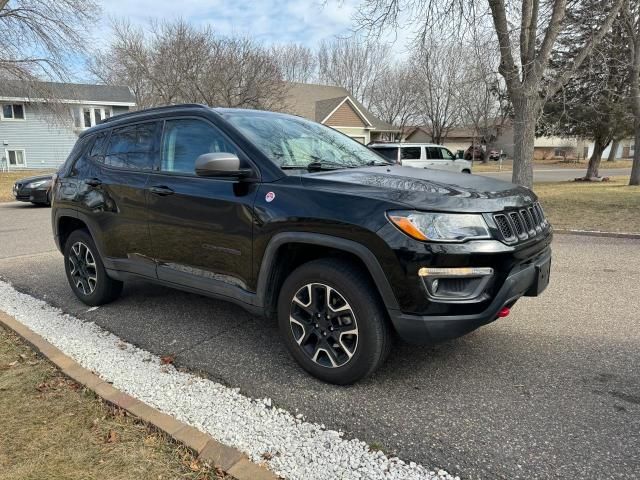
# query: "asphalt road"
558 174
553 391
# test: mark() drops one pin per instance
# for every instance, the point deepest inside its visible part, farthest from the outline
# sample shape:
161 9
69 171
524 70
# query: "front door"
440 158
201 227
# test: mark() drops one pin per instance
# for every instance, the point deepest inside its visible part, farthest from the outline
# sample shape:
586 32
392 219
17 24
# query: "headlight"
39 183
440 227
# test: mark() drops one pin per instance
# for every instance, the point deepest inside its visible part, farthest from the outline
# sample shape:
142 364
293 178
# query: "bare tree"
481 95
175 62
436 67
527 32
353 63
631 16
393 99
37 37
296 62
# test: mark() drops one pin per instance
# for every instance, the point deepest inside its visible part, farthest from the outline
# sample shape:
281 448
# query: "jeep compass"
293 220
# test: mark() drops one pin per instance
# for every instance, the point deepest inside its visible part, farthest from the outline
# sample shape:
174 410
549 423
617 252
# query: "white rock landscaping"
295 449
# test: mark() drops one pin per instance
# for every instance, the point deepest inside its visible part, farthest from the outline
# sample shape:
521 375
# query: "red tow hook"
504 312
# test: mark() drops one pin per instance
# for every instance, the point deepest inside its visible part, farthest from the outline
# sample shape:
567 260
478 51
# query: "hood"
34 179
423 188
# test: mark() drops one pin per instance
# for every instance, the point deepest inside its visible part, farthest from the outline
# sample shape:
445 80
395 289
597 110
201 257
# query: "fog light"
504 312
455 272
466 284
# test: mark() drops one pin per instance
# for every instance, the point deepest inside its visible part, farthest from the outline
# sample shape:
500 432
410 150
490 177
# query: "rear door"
110 194
201 227
412 157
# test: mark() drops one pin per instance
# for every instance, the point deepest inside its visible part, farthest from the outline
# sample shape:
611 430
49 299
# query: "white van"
422 155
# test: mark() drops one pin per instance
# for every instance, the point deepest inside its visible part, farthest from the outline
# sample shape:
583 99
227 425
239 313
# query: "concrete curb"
229 459
595 233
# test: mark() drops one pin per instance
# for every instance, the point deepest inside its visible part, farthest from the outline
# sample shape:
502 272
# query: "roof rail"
151 110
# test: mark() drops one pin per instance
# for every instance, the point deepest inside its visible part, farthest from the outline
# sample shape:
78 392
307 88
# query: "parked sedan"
36 190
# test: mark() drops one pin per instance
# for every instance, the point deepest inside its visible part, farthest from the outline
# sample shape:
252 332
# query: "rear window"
410 153
390 153
132 147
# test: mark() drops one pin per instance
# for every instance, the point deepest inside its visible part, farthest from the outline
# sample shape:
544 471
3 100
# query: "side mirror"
220 164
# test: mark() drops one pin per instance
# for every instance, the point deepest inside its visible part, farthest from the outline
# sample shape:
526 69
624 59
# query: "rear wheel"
85 271
332 321
466 171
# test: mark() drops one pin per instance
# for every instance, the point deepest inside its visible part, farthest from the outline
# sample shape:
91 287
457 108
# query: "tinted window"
386 152
132 147
99 148
434 153
78 154
446 154
410 153
185 140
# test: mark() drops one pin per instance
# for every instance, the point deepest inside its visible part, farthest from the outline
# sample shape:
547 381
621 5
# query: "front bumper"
33 195
521 281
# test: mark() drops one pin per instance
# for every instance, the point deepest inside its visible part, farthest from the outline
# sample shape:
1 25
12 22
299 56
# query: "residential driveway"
553 391
559 174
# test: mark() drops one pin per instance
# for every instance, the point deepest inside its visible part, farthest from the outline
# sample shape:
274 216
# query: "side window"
410 153
78 154
132 147
446 154
99 148
388 153
185 140
433 153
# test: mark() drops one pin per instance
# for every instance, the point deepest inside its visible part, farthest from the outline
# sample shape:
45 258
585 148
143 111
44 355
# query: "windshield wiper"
317 166
378 163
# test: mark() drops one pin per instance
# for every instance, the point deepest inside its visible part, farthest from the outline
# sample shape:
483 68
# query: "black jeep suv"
292 219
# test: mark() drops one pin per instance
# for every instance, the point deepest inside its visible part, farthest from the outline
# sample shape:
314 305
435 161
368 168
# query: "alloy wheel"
324 325
82 268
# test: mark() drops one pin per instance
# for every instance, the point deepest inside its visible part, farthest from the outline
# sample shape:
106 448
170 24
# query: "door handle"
161 190
93 182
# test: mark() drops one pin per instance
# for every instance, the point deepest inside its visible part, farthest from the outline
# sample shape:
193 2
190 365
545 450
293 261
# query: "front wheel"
466 171
85 271
333 322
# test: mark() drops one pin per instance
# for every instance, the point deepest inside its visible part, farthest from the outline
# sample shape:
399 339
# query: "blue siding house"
38 132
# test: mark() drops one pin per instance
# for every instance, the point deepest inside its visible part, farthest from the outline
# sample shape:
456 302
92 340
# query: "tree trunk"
526 112
614 150
594 161
635 169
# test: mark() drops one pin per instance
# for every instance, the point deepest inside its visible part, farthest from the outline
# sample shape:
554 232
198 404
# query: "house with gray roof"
336 108
40 122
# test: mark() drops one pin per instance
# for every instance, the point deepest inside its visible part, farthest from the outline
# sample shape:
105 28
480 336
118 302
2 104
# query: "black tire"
104 289
466 171
347 286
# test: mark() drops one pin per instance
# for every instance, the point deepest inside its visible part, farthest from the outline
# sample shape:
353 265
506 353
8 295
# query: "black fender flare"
338 243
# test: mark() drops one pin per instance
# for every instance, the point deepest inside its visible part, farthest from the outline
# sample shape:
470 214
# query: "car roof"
404 144
137 115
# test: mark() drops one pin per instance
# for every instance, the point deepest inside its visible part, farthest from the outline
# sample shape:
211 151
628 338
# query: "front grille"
521 224
517 223
504 226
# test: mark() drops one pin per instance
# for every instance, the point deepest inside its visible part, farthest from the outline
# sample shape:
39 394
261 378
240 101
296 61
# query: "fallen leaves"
167 359
112 437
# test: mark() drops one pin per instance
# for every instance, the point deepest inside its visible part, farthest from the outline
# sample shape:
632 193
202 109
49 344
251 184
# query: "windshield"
293 142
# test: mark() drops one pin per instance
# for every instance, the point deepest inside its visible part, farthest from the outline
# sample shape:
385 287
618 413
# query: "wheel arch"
278 261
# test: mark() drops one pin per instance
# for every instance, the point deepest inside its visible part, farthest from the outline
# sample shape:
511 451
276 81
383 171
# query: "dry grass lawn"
606 206
7 179
51 427
551 163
